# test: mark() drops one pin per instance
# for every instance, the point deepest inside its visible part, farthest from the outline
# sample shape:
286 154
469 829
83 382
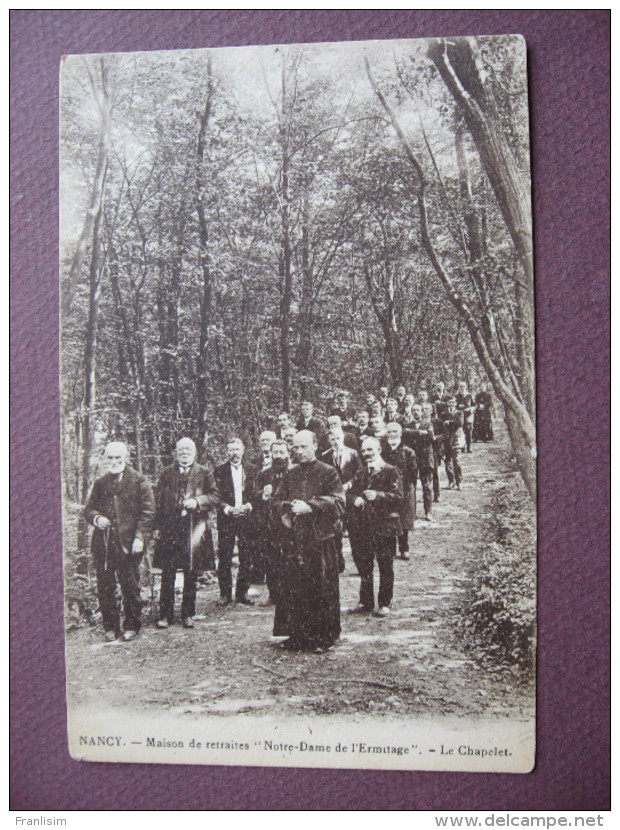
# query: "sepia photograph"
297 392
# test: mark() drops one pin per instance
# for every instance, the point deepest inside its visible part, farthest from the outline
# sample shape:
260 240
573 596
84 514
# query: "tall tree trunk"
204 256
90 353
104 99
286 275
458 62
304 348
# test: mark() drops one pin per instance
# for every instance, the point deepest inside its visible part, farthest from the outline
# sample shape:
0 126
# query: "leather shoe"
110 636
244 601
163 624
224 601
360 609
383 611
130 635
188 622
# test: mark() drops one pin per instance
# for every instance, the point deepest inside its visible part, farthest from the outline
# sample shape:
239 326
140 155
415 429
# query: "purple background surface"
569 103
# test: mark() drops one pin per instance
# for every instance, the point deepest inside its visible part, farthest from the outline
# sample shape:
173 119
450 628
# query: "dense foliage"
498 619
240 230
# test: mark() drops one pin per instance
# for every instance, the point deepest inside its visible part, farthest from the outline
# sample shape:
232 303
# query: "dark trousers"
453 467
383 549
403 542
338 535
271 557
166 598
428 486
234 529
125 569
467 429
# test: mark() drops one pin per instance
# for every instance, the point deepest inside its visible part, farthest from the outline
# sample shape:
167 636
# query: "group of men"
286 513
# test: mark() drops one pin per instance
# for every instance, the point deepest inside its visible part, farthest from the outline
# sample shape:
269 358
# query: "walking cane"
106 542
191 546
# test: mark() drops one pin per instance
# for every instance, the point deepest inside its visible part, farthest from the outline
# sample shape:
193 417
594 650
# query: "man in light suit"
235 483
185 493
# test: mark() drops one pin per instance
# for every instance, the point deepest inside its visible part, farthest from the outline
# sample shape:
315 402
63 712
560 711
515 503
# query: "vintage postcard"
298 405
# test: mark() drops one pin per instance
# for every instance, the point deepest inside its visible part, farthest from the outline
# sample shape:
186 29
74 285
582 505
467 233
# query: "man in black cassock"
309 501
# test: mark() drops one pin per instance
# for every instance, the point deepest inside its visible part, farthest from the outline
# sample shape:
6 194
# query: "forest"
242 229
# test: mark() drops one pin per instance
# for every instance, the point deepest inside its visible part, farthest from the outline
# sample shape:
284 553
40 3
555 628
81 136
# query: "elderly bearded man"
185 493
309 501
121 508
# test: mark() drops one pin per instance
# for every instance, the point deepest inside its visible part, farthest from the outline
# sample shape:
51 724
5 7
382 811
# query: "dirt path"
412 662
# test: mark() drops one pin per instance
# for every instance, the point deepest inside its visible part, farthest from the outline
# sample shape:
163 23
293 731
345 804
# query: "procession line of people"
286 514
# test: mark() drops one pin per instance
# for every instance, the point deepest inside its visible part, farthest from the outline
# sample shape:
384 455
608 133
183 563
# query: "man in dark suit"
121 508
309 501
391 411
423 436
185 494
347 462
267 531
400 394
439 399
363 421
373 506
235 483
453 430
342 408
288 435
308 421
284 421
465 404
398 455
483 418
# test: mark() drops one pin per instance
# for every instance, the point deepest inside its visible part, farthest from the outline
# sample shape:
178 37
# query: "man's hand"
370 495
300 508
359 502
190 503
157 534
102 522
267 491
138 545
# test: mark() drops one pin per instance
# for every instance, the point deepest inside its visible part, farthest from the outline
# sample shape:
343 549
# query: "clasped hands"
238 511
369 495
300 508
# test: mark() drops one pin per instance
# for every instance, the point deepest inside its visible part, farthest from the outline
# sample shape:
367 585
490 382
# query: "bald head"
304 446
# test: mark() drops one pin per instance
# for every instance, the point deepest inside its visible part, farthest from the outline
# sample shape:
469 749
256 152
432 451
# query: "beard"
279 464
